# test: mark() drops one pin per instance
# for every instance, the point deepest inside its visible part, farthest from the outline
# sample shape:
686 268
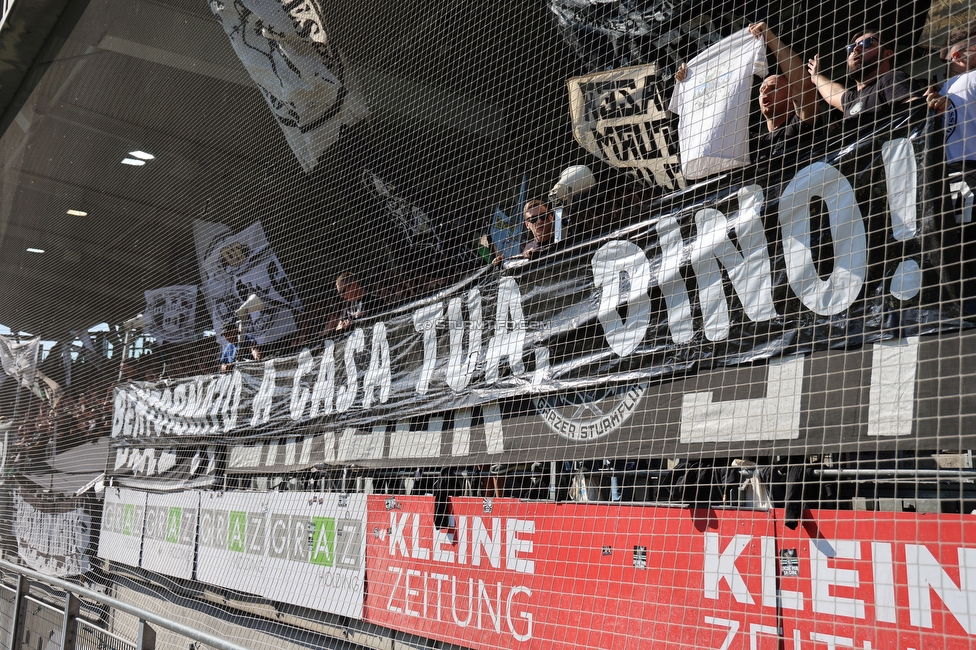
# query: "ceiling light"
35 250
77 213
134 162
141 155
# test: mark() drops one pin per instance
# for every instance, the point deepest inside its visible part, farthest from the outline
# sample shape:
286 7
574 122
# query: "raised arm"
802 89
831 91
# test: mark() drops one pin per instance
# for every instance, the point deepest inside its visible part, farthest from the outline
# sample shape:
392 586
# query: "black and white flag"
235 266
19 359
422 246
286 51
607 34
621 117
171 313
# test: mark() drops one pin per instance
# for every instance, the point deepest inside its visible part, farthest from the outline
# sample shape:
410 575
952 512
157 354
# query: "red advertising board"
880 580
511 574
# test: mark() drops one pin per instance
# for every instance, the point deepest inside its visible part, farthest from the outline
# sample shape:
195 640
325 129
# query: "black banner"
785 308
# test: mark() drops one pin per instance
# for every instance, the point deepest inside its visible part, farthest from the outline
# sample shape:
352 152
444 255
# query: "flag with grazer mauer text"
621 117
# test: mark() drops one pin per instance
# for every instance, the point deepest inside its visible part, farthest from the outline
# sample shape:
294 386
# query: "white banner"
289 57
19 360
234 266
53 543
122 519
714 104
169 537
302 548
171 313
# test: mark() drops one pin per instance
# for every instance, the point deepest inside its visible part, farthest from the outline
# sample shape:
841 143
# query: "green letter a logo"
237 525
128 518
173 525
323 541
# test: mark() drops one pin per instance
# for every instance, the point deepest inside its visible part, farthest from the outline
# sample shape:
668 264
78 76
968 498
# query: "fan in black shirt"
788 101
876 84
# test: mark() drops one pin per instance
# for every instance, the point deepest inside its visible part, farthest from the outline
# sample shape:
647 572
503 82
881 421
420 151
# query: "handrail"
865 474
138 612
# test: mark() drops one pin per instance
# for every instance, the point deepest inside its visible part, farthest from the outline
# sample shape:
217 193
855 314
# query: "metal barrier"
76 633
40 622
92 637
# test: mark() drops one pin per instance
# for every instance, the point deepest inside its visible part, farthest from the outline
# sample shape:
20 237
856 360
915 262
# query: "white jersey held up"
960 118
713 105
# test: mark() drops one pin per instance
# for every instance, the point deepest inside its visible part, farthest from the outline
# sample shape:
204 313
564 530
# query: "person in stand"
228 357
229 354
877 85
540 222
488 252
358 302
787 101
956 101
957 98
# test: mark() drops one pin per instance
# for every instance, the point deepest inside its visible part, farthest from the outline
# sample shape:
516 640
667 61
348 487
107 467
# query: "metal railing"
72 632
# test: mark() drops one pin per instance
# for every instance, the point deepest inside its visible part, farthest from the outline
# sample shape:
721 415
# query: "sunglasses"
534 219
865 43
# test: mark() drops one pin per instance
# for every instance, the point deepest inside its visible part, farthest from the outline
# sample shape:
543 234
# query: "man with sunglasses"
957 98
869 65
541 223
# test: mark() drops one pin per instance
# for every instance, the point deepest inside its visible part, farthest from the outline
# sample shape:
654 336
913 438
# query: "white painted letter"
299 394
748 271
925 572
347 393
608 263
671 283
838 292
426 321
827 578
378 375
261 405
506 343
721 566
460 366
323 392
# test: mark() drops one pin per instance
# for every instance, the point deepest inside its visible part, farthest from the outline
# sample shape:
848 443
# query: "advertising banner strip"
123 516
510 574
170 533
301 548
